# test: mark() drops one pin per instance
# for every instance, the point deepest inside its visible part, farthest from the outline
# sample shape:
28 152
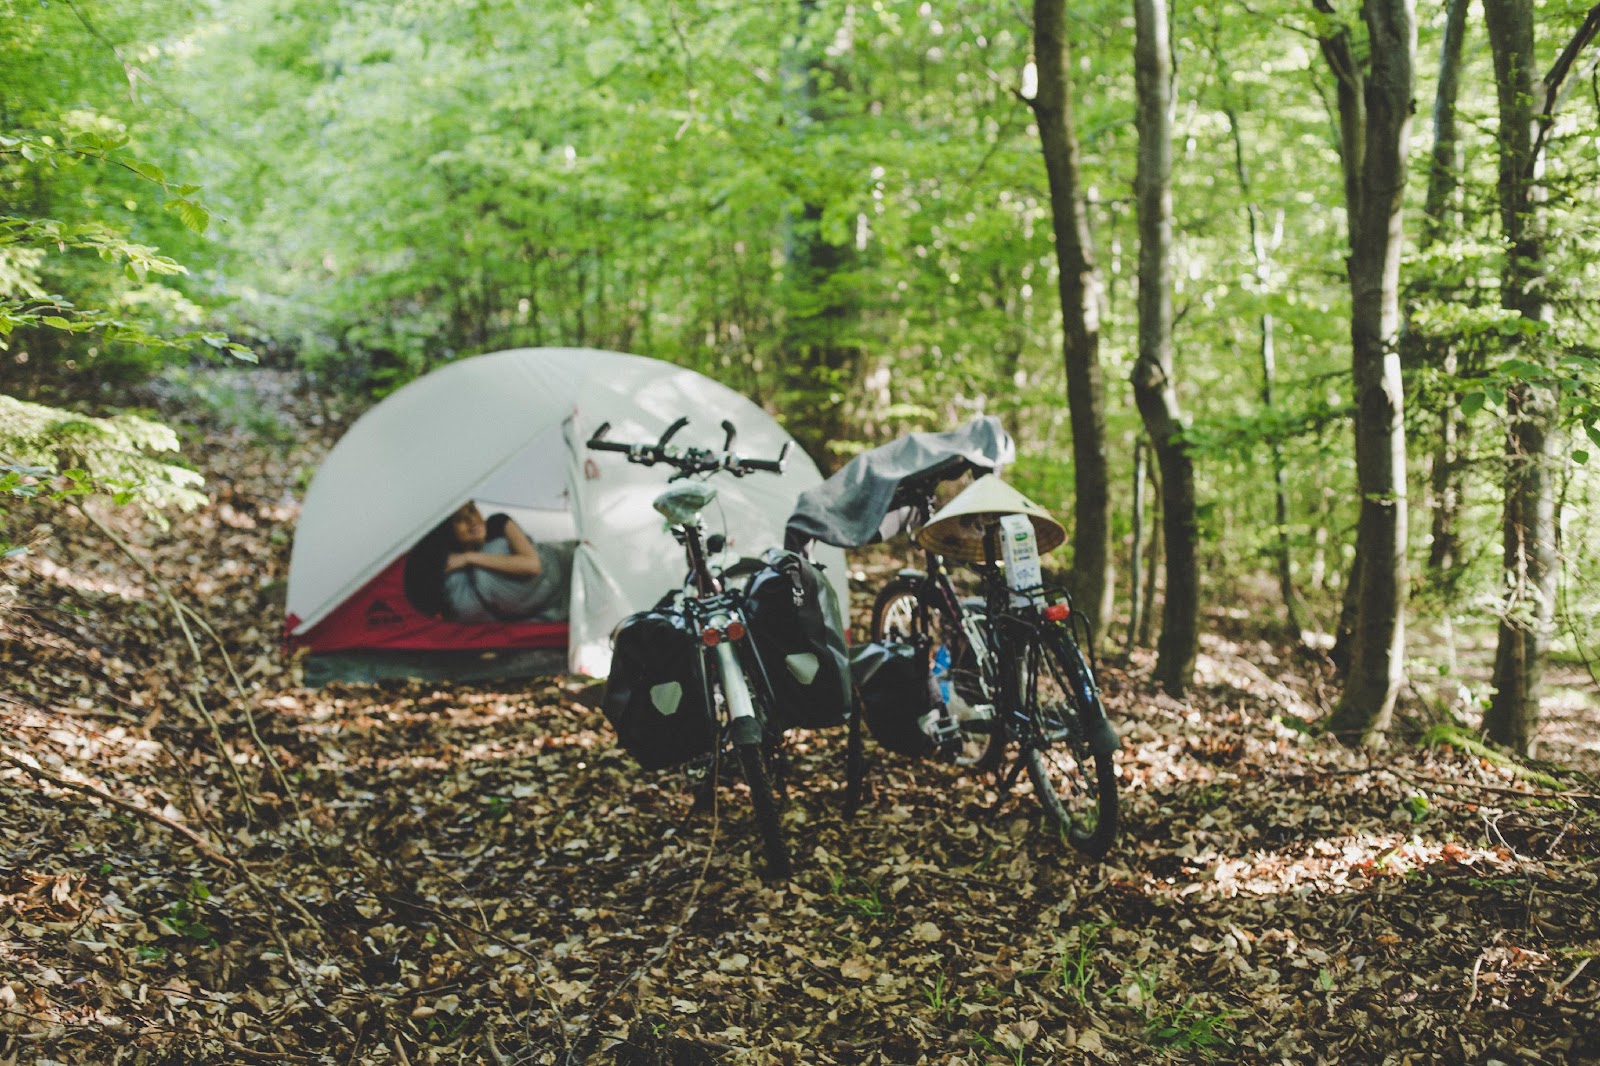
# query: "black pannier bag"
654 698
893 680
794 621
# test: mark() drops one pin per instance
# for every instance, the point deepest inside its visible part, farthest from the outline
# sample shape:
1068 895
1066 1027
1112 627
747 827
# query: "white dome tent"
508 430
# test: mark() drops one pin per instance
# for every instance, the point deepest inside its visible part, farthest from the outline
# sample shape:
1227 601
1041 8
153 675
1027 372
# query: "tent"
508 430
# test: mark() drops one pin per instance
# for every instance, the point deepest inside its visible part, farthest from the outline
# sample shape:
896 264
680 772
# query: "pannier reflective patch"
803 665
666 696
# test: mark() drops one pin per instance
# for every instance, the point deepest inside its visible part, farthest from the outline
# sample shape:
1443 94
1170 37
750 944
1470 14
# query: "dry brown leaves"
473 875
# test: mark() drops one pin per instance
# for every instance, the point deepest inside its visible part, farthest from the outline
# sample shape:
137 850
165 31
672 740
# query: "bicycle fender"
1102 735
745 731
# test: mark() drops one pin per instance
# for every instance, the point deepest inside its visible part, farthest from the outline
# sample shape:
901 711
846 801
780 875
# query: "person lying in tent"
469 569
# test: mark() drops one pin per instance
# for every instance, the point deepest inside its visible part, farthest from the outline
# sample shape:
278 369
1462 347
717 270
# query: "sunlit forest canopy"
840 209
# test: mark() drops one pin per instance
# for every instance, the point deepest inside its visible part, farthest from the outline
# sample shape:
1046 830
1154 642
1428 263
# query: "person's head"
468 528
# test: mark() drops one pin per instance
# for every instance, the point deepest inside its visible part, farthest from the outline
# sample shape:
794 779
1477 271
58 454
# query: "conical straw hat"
957 530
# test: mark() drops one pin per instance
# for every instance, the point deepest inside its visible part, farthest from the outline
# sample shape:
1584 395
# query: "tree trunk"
1135 573
1444 182
823 306
1529 564
1375 187
1152 568
1080 319
1153 384
1261 251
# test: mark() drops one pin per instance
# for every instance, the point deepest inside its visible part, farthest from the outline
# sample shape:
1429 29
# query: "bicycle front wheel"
753 765
1075 785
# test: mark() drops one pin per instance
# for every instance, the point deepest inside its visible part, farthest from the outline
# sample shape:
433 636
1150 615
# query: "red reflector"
735 630
711 636
1057 612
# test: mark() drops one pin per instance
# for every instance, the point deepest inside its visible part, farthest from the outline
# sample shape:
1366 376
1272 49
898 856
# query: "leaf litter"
198 870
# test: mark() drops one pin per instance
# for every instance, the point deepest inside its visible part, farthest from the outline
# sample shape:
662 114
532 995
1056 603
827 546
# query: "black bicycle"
734 698
1012 677
1009 672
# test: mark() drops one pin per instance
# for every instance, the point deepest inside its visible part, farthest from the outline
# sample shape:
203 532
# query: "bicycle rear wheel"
1075 785
900 613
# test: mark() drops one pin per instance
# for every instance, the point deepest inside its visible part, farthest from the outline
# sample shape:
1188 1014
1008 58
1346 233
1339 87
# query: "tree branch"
1555 87
205 846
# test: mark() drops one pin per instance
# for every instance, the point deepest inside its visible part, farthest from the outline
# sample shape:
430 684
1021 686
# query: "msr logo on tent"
380 614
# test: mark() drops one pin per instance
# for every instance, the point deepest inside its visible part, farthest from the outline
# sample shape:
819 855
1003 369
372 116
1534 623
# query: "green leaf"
147 170
1471 403
192 215
1580 456
1593 430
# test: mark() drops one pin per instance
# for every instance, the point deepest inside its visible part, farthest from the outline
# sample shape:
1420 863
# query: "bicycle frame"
1017 634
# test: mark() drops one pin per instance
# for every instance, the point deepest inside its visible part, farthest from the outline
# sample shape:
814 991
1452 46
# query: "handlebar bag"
893 678
655 697
794 620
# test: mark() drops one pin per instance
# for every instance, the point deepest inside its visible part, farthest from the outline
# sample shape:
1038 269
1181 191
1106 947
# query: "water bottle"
941 672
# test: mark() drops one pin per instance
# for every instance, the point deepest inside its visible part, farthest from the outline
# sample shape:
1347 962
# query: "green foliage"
85 294
856 897
1075 967
185 916
1192 1028
48 455
1447 734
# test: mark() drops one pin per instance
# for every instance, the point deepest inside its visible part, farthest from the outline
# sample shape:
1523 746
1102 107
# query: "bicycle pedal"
968 713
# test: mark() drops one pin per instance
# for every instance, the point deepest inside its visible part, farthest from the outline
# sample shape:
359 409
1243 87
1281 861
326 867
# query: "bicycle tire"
1075 786
855 760
773 846
894 610
897 615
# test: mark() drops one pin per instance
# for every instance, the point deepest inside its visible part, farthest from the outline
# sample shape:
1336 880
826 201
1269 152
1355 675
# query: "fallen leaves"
457 873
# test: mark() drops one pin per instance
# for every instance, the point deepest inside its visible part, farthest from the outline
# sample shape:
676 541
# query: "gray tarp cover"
853 507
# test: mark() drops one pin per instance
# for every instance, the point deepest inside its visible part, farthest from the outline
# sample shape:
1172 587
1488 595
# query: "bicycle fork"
743 723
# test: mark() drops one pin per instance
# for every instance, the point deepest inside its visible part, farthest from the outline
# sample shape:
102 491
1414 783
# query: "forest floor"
201 862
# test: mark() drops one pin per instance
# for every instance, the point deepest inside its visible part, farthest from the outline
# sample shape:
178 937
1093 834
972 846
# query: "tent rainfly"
508 430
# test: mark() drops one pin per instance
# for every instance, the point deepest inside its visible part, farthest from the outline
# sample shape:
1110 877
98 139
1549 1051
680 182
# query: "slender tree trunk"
1141 452
1444 182
1261 250
1080 318
1530 561
1154 388
1152 567
1280 485
1375 185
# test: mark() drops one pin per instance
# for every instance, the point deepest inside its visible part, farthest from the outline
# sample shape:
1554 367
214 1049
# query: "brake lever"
672 429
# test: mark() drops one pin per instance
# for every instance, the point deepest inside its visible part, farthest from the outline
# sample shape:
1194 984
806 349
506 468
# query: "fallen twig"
207 848
1573 976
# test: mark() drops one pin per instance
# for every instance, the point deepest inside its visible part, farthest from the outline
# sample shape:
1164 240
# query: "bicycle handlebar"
689 460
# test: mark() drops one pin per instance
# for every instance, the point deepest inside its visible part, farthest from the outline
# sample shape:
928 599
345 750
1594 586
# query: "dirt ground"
202 862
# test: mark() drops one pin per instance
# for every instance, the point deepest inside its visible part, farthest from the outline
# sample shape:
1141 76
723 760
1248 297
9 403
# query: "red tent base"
380 618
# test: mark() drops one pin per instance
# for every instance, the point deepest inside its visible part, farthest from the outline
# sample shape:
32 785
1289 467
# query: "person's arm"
522 562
